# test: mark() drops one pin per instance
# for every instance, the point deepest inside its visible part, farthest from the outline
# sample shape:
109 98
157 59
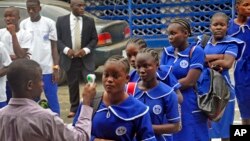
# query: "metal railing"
149 18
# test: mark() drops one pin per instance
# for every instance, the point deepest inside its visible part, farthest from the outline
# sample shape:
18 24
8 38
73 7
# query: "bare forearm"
213 57
54 50
19 52
186 83
3 71
166 128
222 63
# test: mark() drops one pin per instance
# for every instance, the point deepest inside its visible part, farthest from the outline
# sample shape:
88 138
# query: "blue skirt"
221 129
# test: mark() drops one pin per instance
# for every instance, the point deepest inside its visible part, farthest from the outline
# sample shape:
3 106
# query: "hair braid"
150 51
120 59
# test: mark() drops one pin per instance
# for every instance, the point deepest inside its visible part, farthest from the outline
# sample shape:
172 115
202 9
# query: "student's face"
10 16
132 51
146 66
77 7
33 9
114 78
243 8
177 36
218 27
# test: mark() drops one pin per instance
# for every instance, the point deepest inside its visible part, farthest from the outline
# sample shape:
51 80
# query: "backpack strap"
205 38
191 52
131 88
96 102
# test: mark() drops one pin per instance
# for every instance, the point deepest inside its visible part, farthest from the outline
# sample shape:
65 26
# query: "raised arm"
82 129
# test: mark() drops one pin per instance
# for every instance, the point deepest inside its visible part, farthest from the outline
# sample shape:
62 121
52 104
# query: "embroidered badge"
46 37
184 63
157 109
120 131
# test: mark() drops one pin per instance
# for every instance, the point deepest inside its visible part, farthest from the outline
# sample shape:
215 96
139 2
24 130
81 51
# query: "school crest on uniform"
157 109
184 63
121 130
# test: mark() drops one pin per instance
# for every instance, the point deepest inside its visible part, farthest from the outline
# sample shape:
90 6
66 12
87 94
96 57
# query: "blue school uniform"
122 122
227 45
194 122
163 105
242 67
164 74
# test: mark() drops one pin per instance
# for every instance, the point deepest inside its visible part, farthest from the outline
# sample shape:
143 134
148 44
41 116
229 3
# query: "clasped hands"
76 54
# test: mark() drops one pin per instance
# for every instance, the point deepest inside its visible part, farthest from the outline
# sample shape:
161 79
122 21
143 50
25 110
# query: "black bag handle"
96 102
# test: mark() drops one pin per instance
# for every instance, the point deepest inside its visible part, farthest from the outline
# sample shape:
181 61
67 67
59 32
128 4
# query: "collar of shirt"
126 110
157 92
22 101
185 53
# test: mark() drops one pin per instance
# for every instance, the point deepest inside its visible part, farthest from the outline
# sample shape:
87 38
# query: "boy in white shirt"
4 62
44 50
16 41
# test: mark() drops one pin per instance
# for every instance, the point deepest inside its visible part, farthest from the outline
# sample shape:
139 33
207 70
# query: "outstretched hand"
88 94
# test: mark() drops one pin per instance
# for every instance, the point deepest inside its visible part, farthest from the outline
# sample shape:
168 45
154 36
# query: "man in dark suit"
77 39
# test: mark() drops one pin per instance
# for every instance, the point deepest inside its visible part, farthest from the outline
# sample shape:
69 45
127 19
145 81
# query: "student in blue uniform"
240 28
161 99
120 117
164 72
187 68
221 51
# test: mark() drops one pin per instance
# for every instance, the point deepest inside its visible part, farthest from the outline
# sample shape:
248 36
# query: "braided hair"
220 14
151 52
138 42
120 59
239 1
184 23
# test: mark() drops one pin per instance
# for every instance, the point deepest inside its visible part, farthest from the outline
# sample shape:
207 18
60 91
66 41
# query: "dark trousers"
74 76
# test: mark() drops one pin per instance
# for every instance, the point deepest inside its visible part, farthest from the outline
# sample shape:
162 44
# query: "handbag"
214 102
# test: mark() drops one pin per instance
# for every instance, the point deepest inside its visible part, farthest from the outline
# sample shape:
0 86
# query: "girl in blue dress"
187 68
221 51
161 99
164 72
120 117
240 28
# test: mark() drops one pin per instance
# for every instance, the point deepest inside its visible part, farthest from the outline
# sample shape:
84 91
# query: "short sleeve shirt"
23 37
42 31
4 62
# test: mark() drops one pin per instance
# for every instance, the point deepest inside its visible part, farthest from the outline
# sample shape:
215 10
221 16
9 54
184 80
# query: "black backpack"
214 102
96 102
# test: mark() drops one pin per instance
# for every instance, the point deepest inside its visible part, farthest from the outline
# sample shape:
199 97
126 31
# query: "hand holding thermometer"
91 78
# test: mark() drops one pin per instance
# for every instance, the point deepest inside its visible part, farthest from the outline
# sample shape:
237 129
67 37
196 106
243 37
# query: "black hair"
239 1
20 72
34 1
151 52
220 14
16 10
122 60
139 42
184 23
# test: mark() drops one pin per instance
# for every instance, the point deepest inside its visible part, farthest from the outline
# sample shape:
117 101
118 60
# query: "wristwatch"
56 67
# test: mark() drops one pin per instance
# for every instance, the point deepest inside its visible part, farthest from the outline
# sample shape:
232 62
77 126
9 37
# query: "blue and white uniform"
227 45
194 122
163 105
122 122
164 74
242 67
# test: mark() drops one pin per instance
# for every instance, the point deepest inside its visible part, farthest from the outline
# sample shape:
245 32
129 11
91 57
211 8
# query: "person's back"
20 116
24 120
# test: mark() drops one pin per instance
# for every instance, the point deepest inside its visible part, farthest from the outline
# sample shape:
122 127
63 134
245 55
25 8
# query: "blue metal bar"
130 15
233 8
